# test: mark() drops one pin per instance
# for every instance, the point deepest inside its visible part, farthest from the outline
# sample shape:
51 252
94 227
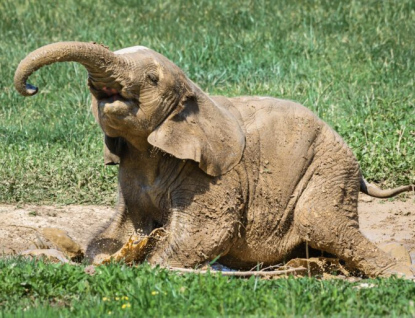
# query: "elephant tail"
376 192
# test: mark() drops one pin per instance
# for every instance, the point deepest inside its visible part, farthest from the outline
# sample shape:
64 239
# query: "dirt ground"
382 221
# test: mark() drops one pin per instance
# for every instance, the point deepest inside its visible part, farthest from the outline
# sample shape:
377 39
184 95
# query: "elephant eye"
153 78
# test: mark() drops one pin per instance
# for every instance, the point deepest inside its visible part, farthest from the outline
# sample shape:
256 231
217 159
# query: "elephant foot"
397 251
135 250
100 248
403 268
400 270
99 259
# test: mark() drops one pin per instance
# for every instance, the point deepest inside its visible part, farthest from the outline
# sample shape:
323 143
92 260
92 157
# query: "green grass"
36 289
351 62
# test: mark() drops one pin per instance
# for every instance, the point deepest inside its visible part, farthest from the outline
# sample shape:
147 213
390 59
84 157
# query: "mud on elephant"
246 178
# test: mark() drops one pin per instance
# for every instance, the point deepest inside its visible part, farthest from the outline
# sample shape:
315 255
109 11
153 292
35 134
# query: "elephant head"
142 99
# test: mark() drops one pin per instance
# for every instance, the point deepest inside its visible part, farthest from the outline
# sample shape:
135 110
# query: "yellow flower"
154 293
110 312
127 305
105 299
117 298
124 298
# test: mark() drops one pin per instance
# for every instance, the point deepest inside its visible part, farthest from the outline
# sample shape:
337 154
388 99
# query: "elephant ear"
113 148
204 131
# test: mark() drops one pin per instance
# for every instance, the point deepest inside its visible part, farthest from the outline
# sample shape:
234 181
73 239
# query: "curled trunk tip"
96 58
30 89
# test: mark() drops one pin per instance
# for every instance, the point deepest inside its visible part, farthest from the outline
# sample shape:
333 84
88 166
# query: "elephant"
246 179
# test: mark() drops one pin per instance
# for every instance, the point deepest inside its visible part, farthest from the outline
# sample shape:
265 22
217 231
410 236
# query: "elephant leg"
193 239
117 232
326 217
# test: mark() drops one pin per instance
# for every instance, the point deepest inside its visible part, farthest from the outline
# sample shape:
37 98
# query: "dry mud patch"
382 221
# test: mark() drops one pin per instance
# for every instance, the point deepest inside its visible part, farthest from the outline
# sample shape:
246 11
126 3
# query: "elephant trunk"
102 64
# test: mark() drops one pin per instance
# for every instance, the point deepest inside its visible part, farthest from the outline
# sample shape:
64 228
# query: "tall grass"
351 62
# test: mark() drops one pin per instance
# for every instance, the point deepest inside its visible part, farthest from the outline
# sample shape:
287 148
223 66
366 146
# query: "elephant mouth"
114 97
116 105
110 96
104 92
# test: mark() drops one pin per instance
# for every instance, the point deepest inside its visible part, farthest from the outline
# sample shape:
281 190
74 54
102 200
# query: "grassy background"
351 62
46 290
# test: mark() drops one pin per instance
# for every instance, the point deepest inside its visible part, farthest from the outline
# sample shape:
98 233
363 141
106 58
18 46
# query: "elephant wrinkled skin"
246 178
